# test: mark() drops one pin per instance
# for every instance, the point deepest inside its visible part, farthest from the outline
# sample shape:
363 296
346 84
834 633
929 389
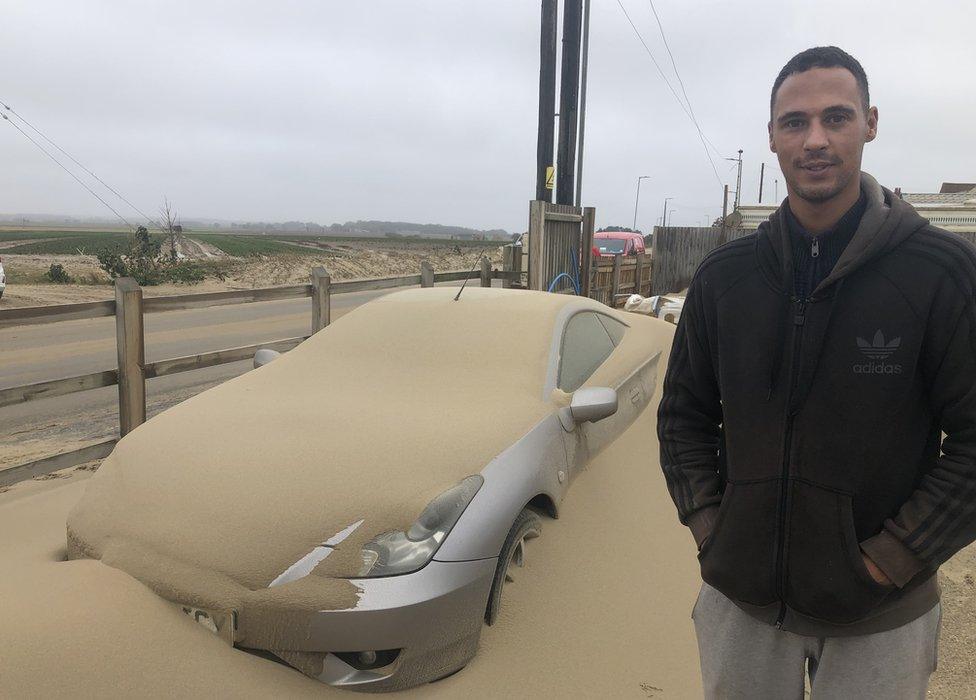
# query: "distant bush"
57 274
185 273
145 263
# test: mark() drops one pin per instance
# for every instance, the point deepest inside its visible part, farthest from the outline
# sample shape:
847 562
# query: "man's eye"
794 123
836 118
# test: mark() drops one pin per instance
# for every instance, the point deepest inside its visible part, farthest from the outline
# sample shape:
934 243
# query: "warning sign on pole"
550 177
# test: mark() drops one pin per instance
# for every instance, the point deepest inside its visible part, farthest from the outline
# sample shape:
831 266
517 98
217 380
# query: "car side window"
586 344
615 328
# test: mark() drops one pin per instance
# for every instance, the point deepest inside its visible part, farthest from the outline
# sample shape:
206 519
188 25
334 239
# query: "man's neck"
817 217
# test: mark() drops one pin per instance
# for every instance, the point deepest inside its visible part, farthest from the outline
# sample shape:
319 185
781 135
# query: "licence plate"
223 623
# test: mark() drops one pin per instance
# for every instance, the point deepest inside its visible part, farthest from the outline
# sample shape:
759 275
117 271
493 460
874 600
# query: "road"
39 353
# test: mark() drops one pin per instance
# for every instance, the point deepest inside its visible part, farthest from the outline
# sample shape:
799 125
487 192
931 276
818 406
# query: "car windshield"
611 245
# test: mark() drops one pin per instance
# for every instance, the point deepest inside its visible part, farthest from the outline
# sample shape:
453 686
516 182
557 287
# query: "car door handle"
635 395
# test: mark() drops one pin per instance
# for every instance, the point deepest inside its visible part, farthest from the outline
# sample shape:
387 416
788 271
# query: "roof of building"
953 187
944 199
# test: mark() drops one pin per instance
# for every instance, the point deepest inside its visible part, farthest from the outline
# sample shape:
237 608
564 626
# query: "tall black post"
547 101
568 101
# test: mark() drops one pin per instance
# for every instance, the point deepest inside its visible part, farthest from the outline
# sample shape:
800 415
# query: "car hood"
237 484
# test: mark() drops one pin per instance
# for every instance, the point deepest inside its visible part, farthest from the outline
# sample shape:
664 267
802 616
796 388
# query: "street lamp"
664 218
642 177
670 214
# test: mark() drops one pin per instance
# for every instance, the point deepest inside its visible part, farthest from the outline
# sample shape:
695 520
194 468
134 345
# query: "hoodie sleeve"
690 418
939 518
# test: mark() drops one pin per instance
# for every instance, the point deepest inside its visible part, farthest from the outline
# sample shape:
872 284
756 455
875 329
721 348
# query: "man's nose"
816 137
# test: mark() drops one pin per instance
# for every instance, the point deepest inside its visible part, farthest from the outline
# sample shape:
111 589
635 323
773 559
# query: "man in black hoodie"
816 366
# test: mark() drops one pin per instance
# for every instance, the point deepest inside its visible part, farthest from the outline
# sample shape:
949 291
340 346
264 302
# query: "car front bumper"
430 619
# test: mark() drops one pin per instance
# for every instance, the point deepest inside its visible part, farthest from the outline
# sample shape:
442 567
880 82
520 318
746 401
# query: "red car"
610 243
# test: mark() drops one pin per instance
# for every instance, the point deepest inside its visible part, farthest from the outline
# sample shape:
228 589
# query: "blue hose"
574 278
557 278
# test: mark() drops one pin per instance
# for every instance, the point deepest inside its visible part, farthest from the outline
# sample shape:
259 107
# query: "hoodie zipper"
799 320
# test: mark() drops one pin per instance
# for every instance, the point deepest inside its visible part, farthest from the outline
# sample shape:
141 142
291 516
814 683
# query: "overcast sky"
426 111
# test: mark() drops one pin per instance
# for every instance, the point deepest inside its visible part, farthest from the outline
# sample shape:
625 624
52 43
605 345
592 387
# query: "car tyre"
527 526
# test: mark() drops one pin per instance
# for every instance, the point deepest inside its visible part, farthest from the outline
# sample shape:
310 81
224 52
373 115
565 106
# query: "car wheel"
527 526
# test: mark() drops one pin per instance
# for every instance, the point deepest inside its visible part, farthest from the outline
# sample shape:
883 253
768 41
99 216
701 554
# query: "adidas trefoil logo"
877 351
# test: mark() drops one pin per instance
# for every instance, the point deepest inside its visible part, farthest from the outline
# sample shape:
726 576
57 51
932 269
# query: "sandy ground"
602 608
343 261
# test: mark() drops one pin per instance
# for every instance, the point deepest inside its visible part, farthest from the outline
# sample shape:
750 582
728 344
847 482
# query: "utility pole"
582 113
776 185
664 217
637 199
738 182
547 102
725 206
762 172
568 101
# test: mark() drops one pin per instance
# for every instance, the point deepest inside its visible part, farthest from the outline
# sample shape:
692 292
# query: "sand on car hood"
369 420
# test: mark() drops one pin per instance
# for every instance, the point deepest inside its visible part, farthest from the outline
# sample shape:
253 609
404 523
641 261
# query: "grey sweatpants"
744 658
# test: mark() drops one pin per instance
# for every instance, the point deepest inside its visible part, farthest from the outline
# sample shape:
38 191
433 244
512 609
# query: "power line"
678 75
673 92
61 165
75 161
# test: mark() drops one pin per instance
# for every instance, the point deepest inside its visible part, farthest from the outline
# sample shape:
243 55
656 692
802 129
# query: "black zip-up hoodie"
797 433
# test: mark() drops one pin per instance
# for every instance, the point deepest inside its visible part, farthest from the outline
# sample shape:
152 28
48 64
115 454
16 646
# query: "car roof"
622 235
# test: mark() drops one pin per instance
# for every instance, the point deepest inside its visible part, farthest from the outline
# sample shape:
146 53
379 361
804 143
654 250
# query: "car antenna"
470 273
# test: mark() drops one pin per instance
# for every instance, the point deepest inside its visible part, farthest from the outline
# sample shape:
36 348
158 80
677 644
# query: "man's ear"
772 145
872 125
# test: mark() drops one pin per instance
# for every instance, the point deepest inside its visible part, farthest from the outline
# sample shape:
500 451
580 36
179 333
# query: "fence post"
537 226
508 257
637 273
321 299
131 346
615 284
586 249
426 274
485 272
518 257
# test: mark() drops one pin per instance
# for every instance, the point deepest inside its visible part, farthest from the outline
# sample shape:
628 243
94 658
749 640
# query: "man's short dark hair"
823 57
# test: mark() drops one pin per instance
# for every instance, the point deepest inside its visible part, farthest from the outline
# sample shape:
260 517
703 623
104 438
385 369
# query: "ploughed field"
229 260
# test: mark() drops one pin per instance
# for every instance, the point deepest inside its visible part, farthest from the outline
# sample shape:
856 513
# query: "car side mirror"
589 405
264 356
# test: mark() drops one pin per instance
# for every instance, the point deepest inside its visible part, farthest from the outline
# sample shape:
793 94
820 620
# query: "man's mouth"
817 167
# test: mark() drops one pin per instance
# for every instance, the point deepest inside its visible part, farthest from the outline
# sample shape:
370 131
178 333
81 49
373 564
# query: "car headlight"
398 552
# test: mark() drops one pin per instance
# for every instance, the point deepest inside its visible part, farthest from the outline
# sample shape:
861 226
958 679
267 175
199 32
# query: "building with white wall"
953 208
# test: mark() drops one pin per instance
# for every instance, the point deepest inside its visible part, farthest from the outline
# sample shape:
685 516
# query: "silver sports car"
356 506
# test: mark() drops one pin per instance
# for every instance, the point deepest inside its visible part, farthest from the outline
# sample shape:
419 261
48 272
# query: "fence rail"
58 387
175 365
46 465
52 314
133 371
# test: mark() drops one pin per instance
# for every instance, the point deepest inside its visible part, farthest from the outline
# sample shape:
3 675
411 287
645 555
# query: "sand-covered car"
355 506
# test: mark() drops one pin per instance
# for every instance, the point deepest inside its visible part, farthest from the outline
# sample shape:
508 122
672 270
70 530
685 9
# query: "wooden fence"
678 250
132 371
614 279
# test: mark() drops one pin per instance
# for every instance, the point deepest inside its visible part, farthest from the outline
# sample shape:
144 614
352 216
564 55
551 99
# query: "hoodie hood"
887 222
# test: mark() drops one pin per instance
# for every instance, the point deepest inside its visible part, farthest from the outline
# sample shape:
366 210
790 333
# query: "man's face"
818 131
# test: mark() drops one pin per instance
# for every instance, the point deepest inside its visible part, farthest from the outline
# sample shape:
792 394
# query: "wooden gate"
560 247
